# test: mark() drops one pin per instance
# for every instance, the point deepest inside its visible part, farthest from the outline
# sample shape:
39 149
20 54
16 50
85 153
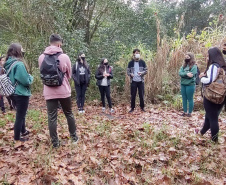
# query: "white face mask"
137 56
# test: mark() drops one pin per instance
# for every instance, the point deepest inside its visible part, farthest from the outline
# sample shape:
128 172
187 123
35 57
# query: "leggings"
211 118
187 92
105 90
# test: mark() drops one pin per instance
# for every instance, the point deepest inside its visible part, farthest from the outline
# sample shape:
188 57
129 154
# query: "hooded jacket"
75 73
63 91
19 77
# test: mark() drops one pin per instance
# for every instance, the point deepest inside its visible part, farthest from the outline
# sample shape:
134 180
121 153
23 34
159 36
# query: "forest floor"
155 147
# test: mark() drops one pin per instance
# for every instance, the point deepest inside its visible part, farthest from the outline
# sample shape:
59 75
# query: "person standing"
103 75
58 94
2 61
188 81
136 70
81 77
22 80
215 61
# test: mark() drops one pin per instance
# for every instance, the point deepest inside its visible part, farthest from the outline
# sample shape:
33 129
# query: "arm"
145 69
211 75
182 73
22 76
111 73
68 62
193 71
98 75
74 72
129 72
88 70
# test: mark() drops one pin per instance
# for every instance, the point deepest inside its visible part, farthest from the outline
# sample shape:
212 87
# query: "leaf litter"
155 147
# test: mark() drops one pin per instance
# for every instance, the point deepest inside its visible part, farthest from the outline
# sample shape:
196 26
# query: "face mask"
106 63
187 60
224 52
83 58
137 56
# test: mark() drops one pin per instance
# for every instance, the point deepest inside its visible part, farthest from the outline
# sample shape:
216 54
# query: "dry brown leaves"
155 147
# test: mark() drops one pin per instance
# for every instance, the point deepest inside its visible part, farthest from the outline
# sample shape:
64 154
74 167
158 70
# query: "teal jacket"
185 80
20 75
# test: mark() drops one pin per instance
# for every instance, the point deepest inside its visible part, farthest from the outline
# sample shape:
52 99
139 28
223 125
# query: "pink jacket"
63 91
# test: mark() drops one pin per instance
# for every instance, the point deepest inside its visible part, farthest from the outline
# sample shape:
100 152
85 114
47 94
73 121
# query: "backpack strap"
11 67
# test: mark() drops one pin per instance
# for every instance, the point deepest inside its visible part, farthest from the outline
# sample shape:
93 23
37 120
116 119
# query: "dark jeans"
134 87
52 107
21 103
11 104
80 91
211 118
2 104
105 90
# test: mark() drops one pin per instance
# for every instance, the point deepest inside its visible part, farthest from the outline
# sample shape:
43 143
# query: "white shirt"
104 80
211 75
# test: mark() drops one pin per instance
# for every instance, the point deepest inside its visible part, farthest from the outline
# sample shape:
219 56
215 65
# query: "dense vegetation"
164 30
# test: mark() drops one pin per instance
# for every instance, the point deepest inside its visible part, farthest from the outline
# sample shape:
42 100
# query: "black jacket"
142 68
99 75
76 76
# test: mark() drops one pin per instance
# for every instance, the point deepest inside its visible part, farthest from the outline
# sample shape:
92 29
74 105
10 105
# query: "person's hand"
132 75
139 73
107 74
190 75
202 75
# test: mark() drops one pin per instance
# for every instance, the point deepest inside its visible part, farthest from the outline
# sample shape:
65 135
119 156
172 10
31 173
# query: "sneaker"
74 140
189 115
83 111
112 110
184 114
23 139
3 112
25 133
79 110
131 110
103 109
56 145
143 110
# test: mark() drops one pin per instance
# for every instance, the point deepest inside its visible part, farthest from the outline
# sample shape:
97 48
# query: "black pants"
11 104
105 90
134 87
80 91
21 103
2 104
52 107
211 118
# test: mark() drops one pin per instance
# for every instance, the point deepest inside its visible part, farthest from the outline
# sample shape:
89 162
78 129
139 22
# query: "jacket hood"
51 50
9 62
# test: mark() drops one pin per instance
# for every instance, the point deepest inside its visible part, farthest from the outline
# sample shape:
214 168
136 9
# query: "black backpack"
51 74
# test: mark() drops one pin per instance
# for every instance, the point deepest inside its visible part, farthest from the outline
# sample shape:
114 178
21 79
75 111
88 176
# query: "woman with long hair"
103 75
22 80
81 77
215 61
188 78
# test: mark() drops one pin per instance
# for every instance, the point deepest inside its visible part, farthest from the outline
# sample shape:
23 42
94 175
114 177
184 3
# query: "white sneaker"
112 110
103 109
80 112
83 111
